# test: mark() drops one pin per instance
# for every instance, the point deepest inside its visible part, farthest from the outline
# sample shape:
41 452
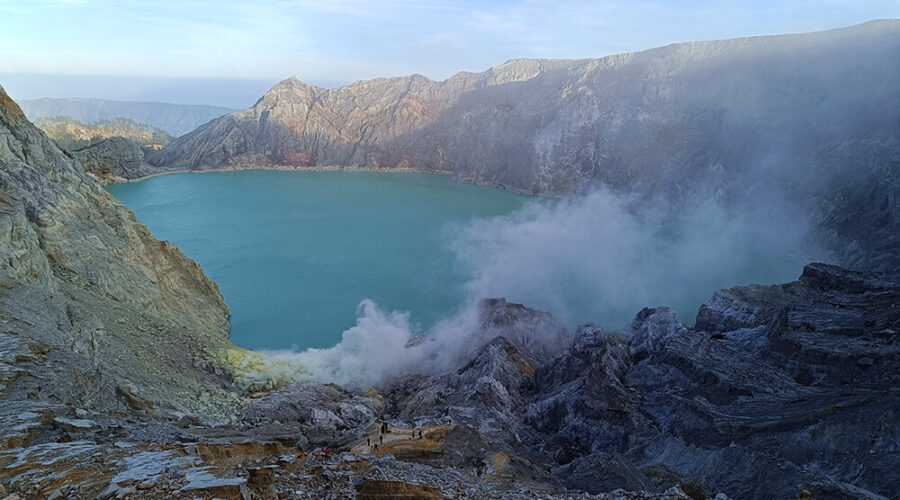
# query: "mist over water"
595 259
590 259
599 258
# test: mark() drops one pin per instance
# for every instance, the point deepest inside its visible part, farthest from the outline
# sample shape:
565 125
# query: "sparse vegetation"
71 134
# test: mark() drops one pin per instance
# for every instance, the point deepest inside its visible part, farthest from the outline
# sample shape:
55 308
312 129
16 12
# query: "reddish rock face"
396 490
9 104
262 482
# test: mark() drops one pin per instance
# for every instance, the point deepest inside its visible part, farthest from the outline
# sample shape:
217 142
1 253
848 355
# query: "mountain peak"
292 82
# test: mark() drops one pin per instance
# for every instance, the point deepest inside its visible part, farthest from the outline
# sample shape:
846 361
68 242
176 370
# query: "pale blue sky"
55 46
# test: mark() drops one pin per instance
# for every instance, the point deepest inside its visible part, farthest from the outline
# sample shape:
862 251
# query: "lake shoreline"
282 168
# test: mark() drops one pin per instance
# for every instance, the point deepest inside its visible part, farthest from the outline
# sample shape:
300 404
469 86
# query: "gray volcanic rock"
777 389
326 415
536 333
115 159
807 121
84 286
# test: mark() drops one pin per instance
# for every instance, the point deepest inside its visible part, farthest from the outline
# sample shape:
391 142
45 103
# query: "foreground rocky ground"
777 392
117 380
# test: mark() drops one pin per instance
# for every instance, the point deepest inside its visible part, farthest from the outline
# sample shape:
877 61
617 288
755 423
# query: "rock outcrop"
94 311
114 160
780 386
746 123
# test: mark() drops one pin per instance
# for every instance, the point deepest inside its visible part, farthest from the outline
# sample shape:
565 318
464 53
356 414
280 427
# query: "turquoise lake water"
295 253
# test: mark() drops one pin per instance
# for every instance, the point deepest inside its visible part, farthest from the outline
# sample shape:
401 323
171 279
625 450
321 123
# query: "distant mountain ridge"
71 134
176 119
813 119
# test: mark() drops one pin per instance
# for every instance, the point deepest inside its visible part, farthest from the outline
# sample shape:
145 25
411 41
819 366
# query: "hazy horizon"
229 53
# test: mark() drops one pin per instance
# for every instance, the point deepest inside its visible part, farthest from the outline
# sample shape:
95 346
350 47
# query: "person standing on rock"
369 442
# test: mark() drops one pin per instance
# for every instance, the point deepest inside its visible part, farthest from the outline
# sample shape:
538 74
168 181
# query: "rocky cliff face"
805 118
295 124
94 310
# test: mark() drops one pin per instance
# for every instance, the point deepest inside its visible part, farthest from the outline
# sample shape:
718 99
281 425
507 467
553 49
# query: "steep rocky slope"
175 119
95 311
806 120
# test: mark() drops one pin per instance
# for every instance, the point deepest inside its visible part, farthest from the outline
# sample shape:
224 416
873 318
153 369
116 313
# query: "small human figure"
381 438
369 442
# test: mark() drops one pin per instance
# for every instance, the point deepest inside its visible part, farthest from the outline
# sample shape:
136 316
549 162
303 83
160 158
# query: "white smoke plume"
378 349
588 259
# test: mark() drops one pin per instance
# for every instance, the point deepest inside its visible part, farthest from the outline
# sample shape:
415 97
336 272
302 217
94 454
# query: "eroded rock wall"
112 309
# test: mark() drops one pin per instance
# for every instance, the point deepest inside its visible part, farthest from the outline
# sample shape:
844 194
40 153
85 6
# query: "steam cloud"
595 259
590 259
381 346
